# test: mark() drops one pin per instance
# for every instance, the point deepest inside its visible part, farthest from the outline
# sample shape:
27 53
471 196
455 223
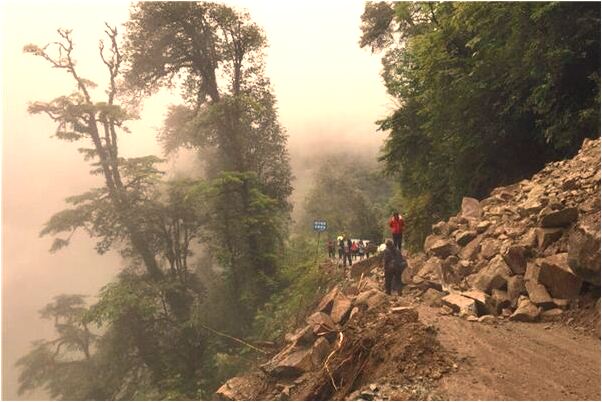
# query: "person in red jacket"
397 225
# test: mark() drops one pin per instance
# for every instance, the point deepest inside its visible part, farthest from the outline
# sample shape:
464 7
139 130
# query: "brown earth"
516 361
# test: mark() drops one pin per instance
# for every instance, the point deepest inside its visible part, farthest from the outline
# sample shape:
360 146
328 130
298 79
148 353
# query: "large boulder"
363 267
471 250
432 297
465 236
370 299
532 204
340 308
485 303
321 323
460 304
304 336
239 389
430 241
325 304
483 226
441 228
431 269
561 218
514 256
493 276
539 295
292 364
556 275
319 351
584 249
471 208
526 311
489 248
463 268
443 248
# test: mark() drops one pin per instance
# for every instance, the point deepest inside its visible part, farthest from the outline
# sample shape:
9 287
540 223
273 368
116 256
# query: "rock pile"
524 252
356 337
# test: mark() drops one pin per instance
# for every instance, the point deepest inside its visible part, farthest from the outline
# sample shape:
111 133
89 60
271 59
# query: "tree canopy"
487 92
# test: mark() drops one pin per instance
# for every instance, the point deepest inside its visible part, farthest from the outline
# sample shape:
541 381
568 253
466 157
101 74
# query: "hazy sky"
329 94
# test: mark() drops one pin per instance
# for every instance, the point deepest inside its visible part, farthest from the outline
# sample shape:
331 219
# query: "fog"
329 94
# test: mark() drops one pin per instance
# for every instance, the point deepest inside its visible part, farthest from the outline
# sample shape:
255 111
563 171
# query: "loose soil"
516 361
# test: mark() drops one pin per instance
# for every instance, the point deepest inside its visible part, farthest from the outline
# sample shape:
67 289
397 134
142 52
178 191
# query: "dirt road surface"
516 361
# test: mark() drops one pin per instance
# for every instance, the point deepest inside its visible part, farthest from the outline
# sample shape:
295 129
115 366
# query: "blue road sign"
320 226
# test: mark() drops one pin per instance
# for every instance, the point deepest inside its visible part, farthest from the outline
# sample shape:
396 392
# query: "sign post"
319 226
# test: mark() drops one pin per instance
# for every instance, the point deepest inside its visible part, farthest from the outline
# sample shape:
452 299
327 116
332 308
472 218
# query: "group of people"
393 260
348 249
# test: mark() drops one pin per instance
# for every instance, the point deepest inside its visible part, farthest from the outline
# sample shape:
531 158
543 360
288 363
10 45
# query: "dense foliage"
163 327
215 54
487 92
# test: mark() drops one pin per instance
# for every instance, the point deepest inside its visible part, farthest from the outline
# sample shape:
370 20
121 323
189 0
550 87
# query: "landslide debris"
358 344
528 252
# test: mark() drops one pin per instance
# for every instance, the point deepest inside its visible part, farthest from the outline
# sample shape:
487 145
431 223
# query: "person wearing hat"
397 225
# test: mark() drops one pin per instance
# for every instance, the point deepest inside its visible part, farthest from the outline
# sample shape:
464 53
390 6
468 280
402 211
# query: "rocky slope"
529 252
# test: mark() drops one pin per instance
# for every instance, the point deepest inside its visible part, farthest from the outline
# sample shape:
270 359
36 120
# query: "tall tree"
487 93
153 224
214 54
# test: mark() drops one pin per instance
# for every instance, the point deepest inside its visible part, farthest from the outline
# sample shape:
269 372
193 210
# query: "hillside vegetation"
487 93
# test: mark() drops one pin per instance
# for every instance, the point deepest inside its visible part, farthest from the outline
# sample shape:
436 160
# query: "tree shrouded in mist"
152 339
215 54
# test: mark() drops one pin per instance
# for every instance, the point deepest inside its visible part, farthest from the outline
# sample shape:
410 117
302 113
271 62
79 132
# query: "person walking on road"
341 248
394 264
397 226
347 256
